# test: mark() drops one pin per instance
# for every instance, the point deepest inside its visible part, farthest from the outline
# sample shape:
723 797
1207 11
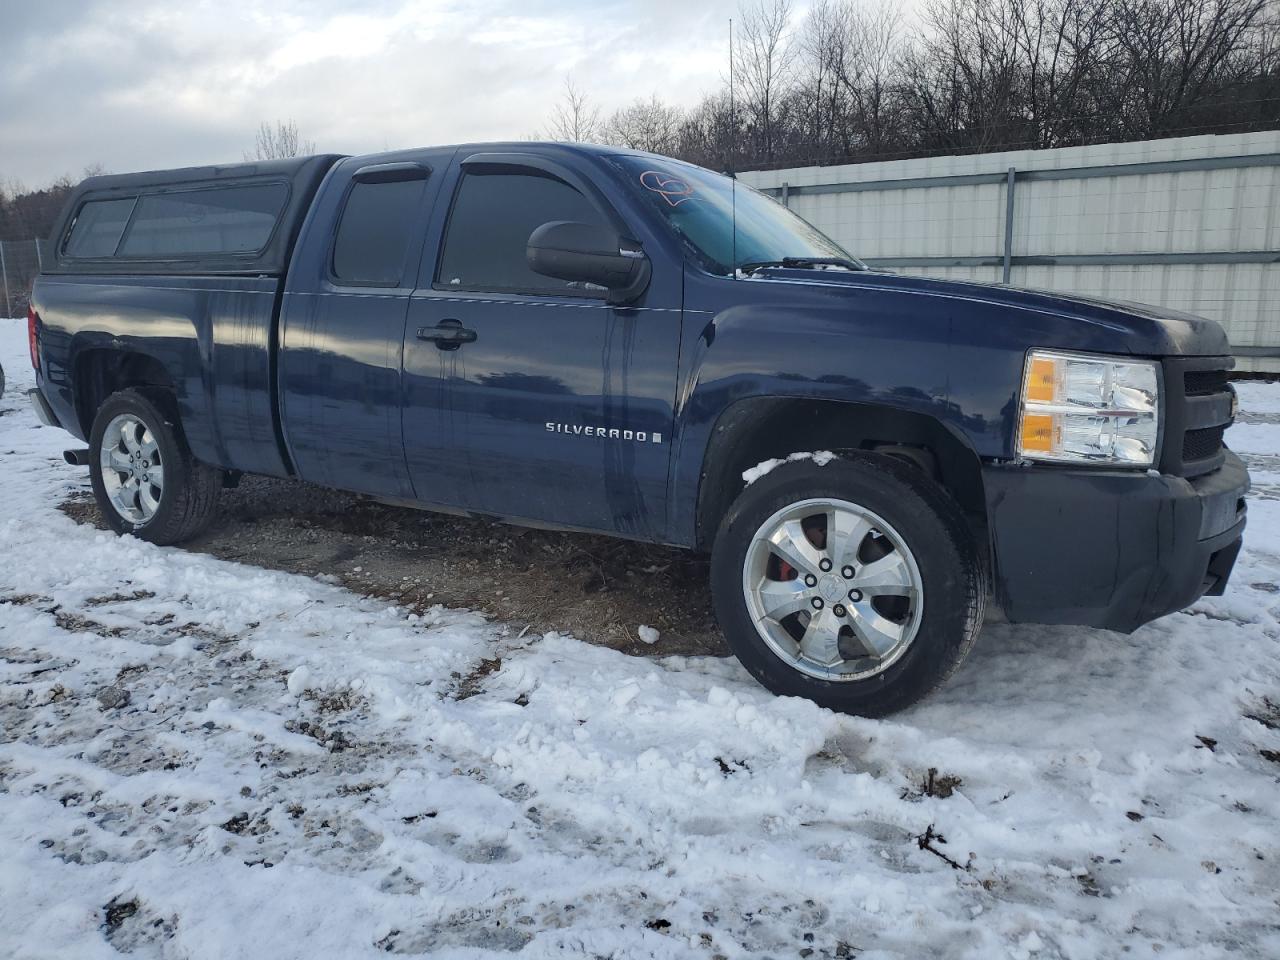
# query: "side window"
493 215
226 220
375 230
98 227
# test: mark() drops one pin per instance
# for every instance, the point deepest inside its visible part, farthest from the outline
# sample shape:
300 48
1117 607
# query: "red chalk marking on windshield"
672 189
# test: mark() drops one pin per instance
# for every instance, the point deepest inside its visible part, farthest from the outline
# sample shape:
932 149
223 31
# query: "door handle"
447 334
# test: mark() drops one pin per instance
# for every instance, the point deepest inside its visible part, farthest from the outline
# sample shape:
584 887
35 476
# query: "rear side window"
493 215
226 220
98 227
374 232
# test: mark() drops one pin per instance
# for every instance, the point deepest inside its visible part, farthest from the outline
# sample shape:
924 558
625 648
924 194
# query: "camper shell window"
98 228
165 226
225 220
238 219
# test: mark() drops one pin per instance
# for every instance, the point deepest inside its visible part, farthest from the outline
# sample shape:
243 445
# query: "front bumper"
1111 549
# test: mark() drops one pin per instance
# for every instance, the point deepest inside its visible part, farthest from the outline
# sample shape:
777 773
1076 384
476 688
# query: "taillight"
33 339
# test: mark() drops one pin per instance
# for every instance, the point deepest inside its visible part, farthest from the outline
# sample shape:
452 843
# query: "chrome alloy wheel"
132 473
833 589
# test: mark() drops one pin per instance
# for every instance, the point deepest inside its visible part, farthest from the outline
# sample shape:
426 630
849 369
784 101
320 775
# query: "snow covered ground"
205 759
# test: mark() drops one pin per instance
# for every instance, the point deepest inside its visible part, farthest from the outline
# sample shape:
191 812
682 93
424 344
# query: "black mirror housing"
587 253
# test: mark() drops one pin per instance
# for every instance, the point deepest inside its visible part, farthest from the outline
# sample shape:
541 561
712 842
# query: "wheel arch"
756 429
98 372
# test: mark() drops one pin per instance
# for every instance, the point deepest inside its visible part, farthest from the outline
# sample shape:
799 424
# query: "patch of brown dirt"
597 588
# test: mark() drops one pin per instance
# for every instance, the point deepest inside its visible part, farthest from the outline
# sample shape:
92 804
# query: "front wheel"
855 584
144 477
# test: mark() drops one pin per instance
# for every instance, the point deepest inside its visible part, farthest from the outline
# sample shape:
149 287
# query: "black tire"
189 496
953 578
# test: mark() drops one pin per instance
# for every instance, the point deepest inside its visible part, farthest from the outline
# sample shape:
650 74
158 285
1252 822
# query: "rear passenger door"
343 325
560 402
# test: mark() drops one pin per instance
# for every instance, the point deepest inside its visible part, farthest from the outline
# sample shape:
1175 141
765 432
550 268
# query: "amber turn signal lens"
1041 379
1037 432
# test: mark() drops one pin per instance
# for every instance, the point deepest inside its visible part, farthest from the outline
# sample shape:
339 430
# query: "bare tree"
822 108
279 141
645 125
1011 72
1045 73
26 214
962 79
763 61
849 81
708 133
862 46
575 118
1062 45
1174 55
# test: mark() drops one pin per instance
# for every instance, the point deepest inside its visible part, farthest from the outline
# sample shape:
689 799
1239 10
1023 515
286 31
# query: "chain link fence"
20 261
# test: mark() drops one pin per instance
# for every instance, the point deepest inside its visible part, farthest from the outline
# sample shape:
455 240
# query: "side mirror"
585 253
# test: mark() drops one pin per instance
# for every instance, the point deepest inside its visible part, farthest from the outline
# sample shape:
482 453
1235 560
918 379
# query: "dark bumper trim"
1109 549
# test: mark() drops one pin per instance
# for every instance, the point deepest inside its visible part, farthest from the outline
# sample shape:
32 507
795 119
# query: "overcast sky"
138 84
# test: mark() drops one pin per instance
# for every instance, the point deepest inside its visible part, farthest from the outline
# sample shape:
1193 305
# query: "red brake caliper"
816 536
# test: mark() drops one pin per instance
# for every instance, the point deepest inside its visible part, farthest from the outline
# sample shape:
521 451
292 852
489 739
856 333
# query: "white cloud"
149 83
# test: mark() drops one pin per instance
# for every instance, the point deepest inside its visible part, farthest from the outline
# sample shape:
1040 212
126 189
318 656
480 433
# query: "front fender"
873 350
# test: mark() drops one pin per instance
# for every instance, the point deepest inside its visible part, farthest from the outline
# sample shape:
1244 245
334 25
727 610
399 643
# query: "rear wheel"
854 584
144 477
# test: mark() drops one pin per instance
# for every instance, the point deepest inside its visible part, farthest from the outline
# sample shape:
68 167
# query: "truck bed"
212 313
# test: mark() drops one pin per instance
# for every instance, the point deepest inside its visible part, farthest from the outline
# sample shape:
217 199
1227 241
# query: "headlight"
1087 409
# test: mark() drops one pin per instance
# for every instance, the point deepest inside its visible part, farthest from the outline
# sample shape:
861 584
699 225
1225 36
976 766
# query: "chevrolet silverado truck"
609 341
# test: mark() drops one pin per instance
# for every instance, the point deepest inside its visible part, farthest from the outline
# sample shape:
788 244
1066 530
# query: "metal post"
786 193
39 256
1008 224
4 272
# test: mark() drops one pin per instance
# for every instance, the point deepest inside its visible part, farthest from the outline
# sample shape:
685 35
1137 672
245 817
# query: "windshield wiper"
802 263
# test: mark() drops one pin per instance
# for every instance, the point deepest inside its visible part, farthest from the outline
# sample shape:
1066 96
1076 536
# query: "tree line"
26 214
852 81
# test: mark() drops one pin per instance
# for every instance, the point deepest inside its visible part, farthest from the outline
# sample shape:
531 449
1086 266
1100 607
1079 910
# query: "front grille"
1202 444
1200 382
1197 411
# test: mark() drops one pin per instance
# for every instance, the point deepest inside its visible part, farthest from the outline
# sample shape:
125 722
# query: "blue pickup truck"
617 342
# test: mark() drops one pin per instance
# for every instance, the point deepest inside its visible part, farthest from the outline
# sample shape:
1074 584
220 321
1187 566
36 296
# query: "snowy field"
205 759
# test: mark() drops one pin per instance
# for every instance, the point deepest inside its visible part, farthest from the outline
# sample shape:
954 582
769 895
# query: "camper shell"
240 218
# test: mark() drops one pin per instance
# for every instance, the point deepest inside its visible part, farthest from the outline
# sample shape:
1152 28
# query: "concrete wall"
1207 240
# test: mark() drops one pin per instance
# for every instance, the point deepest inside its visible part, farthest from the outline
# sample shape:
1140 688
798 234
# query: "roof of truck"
303 176
292 166
288 168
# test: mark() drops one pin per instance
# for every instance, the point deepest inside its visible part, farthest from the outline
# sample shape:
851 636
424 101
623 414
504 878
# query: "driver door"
561 404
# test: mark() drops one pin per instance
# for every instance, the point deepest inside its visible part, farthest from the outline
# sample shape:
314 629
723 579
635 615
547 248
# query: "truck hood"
1135 328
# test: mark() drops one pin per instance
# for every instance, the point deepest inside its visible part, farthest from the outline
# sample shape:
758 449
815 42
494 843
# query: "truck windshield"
700 206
